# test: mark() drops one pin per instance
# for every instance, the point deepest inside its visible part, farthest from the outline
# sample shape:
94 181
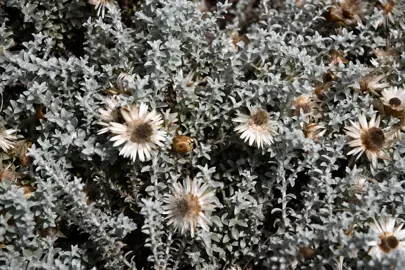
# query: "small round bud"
307 252
182 144
40 111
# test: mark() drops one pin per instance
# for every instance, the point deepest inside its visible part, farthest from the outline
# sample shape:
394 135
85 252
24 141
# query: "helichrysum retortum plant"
182 134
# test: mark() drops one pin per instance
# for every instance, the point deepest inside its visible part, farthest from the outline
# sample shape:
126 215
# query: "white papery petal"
136 115
190 191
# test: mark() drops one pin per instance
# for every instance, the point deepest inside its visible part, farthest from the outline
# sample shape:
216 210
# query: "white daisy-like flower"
190 205
256 128
141 133
390 238
7 138
394 98
367 138
110 114
372 83
100 6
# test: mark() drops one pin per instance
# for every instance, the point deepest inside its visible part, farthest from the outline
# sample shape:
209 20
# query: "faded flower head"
256 128
313 131
141 132
394 98
367 137
190 205
389 237
306 104
348 12
7 138
109 114
101 5
371 83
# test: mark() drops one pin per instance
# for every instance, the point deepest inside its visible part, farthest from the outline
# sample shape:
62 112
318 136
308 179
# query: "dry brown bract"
371 83
314 131
307 252
307 105
347 12
337 57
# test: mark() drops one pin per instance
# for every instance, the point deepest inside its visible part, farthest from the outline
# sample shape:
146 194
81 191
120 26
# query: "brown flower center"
392 242
189 206
373 139
260 118
388 243
394 102
141 132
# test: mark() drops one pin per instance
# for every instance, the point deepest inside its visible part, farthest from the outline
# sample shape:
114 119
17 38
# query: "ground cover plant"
172 134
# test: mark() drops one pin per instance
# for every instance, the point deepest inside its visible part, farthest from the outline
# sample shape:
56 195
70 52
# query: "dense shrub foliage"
164 134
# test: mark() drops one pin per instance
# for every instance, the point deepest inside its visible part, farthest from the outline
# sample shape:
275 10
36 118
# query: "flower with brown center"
141 133
190 205
367 138
257 127
389 237
394 98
